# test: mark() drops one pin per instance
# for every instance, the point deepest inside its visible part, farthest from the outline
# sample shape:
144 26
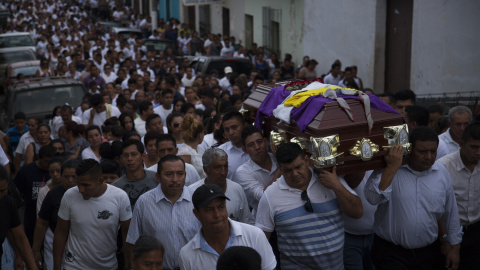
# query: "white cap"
228 70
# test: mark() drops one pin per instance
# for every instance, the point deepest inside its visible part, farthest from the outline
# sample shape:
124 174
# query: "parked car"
124 32
37 97
159 44
26 68
16 40
205 64
12 55
108 25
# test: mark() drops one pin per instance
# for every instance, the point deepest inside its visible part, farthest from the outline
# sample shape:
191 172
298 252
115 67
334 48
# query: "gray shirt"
136 188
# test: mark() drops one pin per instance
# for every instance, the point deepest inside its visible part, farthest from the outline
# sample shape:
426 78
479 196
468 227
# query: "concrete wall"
344 30
445 46
291 34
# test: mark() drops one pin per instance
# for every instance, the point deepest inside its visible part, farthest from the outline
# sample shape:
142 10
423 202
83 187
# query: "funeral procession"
239 135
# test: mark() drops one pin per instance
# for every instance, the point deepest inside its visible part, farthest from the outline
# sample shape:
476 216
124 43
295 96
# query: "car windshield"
157 45
16 41
126 35
26 71
16 56
44 99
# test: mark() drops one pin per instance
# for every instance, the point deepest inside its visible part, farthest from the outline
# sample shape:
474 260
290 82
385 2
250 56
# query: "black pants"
470 247
388 256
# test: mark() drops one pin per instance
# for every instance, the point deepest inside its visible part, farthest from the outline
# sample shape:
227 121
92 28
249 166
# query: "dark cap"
205 194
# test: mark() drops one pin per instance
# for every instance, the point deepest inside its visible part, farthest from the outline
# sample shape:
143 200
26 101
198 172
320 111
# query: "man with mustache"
165 212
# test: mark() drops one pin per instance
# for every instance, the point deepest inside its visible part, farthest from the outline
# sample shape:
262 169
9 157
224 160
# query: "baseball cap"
205 194
228 70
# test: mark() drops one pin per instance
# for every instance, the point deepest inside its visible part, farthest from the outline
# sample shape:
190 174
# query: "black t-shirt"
8 217
51 205
29 180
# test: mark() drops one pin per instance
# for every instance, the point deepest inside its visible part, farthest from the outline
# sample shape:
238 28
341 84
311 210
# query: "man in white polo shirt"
219 233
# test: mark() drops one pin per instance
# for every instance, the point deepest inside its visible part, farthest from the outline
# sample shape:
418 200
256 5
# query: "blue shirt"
409 208
173 224
15 135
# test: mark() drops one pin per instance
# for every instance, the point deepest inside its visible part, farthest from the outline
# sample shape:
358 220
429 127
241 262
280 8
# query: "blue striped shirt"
305 240
173 224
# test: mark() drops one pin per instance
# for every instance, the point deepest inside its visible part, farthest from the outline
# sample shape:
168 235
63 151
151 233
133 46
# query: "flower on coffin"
297 85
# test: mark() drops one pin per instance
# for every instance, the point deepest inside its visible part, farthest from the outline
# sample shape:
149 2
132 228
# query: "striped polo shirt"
306 240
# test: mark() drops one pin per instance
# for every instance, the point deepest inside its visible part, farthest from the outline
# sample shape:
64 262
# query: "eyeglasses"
308 205
176 125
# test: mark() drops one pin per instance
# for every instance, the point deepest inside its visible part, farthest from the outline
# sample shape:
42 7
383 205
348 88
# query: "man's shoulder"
449 158
226 146
120 182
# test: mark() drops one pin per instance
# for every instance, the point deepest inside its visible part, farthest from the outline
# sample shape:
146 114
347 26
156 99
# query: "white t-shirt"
140 126
237 206
163 113
99 118
92 239
3 157
329 79
25 140
88 153
198 253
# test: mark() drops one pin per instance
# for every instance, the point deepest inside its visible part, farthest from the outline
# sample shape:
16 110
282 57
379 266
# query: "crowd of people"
159 167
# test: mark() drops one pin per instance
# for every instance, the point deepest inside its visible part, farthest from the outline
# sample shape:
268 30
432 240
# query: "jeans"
356 252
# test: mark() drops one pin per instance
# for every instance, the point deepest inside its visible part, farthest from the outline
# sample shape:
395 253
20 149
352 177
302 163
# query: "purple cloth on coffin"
274 98
305 114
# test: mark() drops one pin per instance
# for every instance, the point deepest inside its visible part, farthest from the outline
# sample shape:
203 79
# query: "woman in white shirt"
94 137
192 132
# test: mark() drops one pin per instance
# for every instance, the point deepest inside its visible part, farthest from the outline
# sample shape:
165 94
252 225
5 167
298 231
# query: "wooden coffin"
334 121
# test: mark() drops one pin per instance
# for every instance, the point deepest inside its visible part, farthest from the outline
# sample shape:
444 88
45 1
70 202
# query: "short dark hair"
247 131
46 151
92 127
418 114
435 108
56 159
166 92
110 166
168 158
151 117
20 115
89 167
405 94
471 132
335 65
144 105
233 115
186 106
288 152
130 142
150 135
238 258
166 137
69 164
207 92
422 134
96 100
145 244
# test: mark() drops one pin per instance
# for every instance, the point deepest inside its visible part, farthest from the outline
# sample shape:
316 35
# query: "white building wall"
291 24
445 46
344 30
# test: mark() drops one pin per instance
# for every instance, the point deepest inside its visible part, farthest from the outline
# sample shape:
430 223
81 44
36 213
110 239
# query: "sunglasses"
176 125
308 205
